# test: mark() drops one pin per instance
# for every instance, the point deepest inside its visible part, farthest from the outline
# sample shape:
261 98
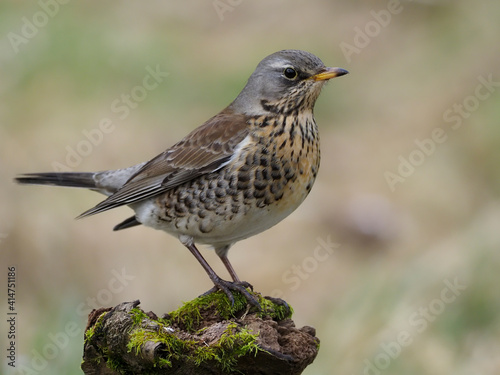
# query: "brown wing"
204 150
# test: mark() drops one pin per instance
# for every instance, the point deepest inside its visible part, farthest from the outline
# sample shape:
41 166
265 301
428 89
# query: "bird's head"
285 82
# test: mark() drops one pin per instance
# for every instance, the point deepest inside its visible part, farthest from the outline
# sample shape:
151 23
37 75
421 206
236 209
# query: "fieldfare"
238 174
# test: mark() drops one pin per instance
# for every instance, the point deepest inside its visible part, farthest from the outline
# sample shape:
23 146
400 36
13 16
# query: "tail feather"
129 223
71 179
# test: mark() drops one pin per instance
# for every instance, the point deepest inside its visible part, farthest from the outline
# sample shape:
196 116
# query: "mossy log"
204 336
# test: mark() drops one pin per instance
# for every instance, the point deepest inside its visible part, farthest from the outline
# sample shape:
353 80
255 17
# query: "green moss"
89 333
115 365
138 315
174 347
189 315
275 311
234 343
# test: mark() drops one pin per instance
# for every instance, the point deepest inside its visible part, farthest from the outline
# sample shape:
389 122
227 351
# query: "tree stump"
204 336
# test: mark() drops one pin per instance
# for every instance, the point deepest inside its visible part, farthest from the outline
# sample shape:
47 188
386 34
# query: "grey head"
285 82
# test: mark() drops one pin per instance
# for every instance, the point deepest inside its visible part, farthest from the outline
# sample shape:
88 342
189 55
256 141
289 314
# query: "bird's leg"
230 269
222 254
223 257
225 286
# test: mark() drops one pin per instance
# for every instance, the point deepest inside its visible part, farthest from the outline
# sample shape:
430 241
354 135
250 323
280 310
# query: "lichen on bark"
205 336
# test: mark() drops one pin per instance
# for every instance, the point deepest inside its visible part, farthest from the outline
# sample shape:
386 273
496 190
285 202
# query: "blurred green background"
410 284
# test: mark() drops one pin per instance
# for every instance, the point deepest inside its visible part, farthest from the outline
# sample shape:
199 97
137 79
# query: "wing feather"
204 150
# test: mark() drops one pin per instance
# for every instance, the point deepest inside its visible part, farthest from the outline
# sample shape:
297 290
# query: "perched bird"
238 174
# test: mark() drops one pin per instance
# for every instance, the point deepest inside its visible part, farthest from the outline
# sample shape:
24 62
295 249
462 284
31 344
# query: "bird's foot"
229 286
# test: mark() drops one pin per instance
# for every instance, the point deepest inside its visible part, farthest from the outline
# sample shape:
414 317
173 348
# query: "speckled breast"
268 179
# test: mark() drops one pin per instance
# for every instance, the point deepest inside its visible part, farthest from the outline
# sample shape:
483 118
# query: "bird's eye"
290 73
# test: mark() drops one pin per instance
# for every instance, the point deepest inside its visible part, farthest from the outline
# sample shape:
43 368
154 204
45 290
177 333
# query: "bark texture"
204 336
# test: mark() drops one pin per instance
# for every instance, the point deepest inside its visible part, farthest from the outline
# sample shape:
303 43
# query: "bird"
238 174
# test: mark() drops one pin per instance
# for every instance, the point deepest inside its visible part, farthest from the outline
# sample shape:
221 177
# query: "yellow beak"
329 73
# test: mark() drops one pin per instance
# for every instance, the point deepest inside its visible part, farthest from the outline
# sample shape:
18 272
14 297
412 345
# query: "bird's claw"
228 286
